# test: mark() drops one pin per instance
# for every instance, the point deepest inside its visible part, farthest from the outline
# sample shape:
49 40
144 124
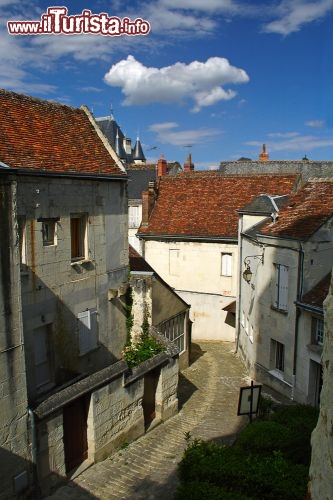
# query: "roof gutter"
76 175
309 307
183 237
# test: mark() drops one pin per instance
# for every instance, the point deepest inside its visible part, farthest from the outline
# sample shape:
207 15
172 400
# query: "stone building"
321 473
189 235
306 167
285 249
156 301
64 218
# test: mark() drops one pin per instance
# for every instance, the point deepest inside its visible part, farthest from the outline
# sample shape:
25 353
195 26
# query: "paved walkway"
147 468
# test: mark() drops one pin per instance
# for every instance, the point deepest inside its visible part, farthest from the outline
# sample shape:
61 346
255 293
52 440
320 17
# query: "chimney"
148 201
188 165
263 155
161 166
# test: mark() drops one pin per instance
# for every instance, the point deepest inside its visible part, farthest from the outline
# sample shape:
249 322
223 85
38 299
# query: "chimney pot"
263 155
161 166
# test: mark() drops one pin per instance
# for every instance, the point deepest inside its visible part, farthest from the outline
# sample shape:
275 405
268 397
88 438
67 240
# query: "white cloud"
283 135
315 123
293 14
201 82
301 143
168 133
226 6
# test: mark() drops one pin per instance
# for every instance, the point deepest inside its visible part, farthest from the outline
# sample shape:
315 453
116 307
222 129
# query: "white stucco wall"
264 323
194 270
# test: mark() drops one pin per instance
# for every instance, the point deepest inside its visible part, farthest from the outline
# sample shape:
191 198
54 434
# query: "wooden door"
75 432
149 396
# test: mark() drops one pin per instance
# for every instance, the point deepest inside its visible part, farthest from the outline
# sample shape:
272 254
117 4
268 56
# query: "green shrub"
146 348
300 420
236 471
264 437
198 490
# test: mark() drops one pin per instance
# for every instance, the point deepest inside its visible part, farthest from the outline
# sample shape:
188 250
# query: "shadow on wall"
16 479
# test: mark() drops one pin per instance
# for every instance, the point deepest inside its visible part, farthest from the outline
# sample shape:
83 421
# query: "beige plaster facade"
194 270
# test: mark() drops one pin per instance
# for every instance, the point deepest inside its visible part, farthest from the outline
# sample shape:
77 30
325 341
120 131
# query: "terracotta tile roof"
206 204
318 294
305 212
42 135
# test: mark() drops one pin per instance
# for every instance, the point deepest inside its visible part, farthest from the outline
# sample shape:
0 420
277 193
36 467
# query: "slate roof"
305 212
264 204
318 294
206 203
138 181
47 136
137 262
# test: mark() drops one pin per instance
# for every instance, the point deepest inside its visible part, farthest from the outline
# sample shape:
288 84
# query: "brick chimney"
263 155
148 201
188 165
161 166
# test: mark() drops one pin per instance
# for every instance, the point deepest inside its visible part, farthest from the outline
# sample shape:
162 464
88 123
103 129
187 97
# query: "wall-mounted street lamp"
247 274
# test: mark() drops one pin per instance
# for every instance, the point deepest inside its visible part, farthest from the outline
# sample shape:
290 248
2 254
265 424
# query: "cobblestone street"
147 468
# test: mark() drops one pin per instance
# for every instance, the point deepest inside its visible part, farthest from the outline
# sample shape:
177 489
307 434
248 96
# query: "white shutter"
87 326
227 264
283 288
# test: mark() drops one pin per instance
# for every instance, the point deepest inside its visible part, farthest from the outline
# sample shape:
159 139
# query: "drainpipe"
298 313
240 244
33 445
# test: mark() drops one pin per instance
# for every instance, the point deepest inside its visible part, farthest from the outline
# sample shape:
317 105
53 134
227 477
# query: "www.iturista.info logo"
56 21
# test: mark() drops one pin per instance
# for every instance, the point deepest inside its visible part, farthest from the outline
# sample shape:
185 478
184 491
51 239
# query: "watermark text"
56 21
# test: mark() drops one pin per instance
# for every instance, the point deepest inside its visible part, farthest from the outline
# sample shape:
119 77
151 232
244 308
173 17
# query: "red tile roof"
305 212
318 294
43 135
205 204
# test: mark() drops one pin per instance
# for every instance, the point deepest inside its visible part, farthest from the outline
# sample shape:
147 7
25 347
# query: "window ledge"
317 348
81 262
279 375
282 311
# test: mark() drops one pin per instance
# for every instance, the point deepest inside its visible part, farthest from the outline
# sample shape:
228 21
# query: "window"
173 329
78 237
134 216
318 330
277 351
22 239
281 287
87 330
174 262
226 264
42 358
49 232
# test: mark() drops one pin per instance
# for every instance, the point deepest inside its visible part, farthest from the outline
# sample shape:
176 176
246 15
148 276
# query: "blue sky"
214 77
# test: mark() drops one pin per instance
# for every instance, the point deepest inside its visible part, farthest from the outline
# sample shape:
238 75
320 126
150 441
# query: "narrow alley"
147 468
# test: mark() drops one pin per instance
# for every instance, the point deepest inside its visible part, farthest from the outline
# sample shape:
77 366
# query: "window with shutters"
79 244
42 355
226 264
87 330
134 216
281 287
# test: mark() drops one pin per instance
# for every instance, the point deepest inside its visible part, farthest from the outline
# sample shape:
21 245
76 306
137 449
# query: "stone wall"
115 416
307 168
321 471
15 453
